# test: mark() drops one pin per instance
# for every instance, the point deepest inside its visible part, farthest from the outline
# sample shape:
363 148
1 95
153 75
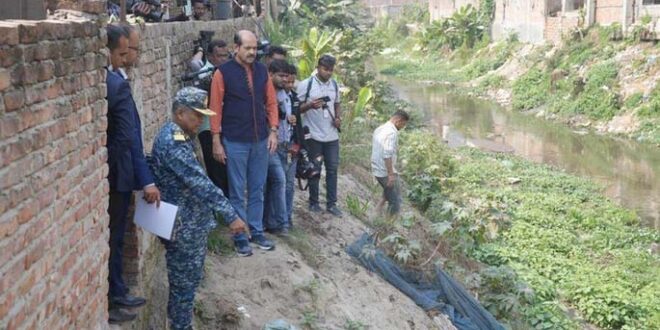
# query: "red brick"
67 50
78 101
18 318
6 303
27 283
17 195
14 100
8 34
63 67
26 213
9 55
16 149
45 71
28 32
36 93
18 170
63 31
9 125
35 253
68 263
93 7
54 89
29 74
8 227
37 228
12 273
5 79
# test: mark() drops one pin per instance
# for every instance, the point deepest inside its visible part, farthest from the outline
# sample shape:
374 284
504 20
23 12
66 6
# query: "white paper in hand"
156 220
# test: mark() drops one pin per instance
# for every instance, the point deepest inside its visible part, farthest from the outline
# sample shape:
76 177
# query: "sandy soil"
308 280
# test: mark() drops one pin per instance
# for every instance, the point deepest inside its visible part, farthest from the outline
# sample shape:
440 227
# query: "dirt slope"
308 280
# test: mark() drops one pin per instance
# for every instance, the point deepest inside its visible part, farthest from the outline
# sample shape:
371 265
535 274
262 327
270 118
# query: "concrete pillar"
564 6
626 11
590 13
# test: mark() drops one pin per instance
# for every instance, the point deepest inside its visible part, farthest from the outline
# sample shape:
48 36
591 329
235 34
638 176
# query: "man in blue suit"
128 169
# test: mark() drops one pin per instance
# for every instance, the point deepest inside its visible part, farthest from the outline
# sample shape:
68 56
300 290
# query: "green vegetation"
310 314
357 207
355 325
580 78
545 239
529 240
530 90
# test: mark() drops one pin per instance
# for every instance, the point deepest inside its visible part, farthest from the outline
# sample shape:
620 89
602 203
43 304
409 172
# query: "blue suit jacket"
128 167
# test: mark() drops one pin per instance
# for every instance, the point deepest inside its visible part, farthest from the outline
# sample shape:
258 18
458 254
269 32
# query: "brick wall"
53 191
557 27
608 11
166 50
87 6
53 237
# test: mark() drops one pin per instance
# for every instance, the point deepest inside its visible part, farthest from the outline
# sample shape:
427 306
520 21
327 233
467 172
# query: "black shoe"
334 210
315 208
262 242
284 232
128 301
119 315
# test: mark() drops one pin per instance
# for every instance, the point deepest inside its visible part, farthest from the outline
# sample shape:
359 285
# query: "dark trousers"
330 152
391 194
216 171
118 211
185 269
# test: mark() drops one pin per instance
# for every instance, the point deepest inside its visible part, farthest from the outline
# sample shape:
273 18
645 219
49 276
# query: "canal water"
629 171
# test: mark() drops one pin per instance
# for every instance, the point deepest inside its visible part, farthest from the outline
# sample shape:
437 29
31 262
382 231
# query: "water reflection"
629 171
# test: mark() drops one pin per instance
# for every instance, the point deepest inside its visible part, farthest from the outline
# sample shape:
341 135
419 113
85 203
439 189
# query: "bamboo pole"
122 10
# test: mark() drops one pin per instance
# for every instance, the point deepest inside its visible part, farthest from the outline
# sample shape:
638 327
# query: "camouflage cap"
194 98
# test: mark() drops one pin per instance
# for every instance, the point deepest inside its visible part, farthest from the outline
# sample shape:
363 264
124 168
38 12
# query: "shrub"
530 90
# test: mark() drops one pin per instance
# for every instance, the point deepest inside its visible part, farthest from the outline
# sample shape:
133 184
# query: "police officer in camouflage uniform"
184 183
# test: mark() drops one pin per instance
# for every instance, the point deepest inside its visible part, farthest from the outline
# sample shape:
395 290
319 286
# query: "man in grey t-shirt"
319 95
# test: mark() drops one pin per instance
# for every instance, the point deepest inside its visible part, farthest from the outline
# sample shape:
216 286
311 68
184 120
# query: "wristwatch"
273 129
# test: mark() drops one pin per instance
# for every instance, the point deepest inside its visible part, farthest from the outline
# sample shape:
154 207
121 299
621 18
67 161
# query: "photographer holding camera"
319 95
207 57
278 199
216 55
150 10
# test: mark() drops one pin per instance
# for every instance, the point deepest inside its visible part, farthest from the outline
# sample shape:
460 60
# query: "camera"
308 168
325 99
203 42
282 110
154 15
262 48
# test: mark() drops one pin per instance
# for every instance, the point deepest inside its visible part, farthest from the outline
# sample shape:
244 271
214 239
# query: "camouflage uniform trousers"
185 269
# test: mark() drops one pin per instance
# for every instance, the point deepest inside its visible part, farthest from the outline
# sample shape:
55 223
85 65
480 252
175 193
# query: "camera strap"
309 88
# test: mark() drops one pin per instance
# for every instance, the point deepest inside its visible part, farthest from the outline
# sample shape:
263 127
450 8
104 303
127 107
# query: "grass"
553 233
417 67
219 242
355 325
589 86
310 314
298 240
530 90
357 207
